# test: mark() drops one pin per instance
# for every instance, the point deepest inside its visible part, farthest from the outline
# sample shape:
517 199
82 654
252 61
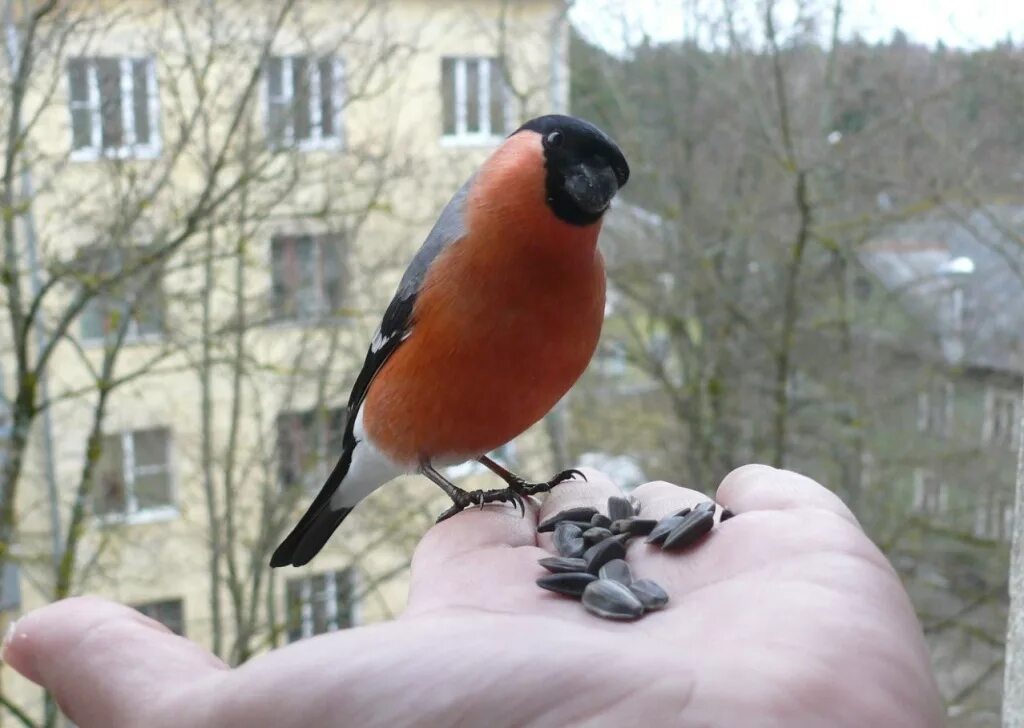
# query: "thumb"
105 664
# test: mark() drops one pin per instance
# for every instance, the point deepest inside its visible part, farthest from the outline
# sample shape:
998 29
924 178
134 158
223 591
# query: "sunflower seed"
705 506
683 512
563 564
611 600
583 513
692 527
595 534
619 508
571 584
617 570
663 529
601 553
726 515
635 502
633 526
650 594
569 540
600 520
622 538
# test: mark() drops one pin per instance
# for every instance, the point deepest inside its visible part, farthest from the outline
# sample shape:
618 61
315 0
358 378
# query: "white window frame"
324 460
993 398
924 410
306 600
132 513
153 604
130 150
316 140
483 137
921 475
324 311
132 335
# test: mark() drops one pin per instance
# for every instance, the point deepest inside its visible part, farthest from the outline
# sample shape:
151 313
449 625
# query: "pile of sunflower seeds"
591 563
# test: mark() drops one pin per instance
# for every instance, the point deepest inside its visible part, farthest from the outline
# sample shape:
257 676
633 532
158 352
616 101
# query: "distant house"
960 279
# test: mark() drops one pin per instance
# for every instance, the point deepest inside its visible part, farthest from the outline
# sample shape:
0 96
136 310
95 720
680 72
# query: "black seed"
663 529
619 508
634 526
569 540
582 513
601 553
726 515
595 534
571 584
622 538
620 526
611 600
650 594
692 528
600 520
617 570
683 512
705 506
635 502
563 564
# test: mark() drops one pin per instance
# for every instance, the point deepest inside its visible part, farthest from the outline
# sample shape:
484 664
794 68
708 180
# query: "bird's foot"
516 493
526 488
520 489
479 498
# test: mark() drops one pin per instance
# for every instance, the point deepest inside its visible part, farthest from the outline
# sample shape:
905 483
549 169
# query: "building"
224 196
949 439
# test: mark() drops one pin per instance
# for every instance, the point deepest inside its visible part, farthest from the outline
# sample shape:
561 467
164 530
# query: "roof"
962 275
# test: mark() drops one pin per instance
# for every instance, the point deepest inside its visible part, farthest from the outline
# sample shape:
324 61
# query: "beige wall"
385 188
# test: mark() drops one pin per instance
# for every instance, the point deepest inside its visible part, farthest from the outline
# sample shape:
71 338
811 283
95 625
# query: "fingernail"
8 637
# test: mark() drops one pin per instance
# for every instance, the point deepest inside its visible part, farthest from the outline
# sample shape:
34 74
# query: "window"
320 603
935 409
1002 418
113 108
307 276
169 613
961 310
304 100
136 296
993 515
930 494
308 443
133 476
476 100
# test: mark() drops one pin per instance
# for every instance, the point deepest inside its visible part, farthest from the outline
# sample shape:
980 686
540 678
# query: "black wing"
397 323
320 521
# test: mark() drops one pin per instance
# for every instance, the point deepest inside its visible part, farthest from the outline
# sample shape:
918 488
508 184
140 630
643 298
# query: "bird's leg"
523 488
462 499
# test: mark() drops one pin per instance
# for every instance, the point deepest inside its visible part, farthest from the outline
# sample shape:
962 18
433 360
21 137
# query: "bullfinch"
495 319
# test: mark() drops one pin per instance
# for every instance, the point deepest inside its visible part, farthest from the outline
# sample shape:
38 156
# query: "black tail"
317 524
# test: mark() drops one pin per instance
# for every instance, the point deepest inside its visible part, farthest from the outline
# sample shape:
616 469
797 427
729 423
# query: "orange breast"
507 320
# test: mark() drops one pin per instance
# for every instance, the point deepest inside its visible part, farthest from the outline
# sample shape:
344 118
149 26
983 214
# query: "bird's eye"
554 139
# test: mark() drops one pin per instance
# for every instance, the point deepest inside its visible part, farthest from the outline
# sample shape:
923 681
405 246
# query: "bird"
494 320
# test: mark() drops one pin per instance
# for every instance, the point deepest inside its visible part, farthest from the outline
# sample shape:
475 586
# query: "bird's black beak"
591 186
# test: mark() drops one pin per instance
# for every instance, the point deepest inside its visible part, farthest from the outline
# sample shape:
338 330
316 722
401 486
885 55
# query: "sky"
959 23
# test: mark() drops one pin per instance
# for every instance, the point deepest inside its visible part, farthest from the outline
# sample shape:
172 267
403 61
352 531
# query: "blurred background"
206 205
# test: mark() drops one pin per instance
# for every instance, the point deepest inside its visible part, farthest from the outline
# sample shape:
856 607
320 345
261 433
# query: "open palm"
785 615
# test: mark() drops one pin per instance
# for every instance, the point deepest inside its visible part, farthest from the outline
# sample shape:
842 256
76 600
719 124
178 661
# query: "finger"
659 499
105 664
494 525
450 558
593 492
763 488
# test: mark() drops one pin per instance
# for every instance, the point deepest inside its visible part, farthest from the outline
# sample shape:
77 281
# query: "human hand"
786 615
